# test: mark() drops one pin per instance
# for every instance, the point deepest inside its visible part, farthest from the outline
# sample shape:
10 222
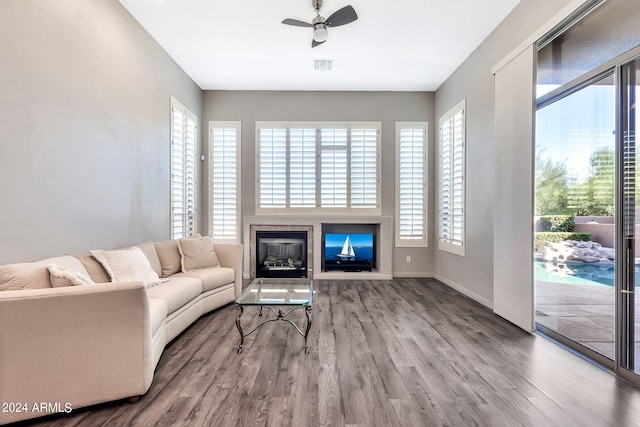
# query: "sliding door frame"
623 309
626 298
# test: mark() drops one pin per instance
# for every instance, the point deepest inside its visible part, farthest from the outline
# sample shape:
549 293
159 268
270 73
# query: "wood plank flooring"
406 352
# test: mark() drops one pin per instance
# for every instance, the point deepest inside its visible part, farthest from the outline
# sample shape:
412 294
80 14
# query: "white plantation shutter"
177 173
302 168
451 173
333 168
272 164
183 171
411 181
225 180
446 136
364 168
318 167
190 176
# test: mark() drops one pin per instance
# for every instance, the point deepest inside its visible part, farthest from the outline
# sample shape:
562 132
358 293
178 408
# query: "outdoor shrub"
545 237
557 223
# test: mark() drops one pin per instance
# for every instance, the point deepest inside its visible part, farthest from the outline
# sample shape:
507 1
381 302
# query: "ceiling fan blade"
342 16
297 23
314 43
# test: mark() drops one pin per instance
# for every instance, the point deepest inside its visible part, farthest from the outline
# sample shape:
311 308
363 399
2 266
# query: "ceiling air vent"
322 64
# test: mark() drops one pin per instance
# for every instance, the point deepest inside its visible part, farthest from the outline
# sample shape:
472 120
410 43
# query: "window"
303 167
451 170
184 125
411 184
272 164
224 174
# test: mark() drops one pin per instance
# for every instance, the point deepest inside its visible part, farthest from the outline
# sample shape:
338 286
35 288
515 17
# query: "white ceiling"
399 45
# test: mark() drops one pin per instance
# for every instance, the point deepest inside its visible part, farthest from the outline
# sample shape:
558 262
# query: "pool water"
577 272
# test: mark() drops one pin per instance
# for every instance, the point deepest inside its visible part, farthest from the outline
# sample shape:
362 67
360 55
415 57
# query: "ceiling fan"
342 16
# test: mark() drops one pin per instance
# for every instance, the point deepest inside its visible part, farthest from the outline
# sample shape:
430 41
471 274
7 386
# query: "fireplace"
281 253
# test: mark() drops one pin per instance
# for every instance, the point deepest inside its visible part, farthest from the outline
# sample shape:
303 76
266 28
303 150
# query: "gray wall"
386 107
84 134
473 80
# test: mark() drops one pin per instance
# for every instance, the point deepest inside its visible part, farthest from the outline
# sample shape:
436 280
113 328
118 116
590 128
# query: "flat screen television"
349 251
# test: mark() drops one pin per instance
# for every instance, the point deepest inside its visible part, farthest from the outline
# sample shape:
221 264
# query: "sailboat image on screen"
347 253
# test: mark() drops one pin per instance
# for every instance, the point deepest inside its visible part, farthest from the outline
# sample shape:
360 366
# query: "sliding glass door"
575 210
587 184
587 207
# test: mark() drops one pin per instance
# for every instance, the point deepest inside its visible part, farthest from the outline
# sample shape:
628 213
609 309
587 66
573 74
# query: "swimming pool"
576 272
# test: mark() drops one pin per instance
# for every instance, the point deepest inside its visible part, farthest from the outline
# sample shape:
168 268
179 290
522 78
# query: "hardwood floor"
407 352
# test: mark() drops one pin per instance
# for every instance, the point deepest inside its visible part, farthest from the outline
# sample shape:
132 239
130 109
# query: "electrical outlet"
408 258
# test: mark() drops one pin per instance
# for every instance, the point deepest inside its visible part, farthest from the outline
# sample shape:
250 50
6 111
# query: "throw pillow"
127 264
197 253
63 277
149 250
169 257
95 270
65 263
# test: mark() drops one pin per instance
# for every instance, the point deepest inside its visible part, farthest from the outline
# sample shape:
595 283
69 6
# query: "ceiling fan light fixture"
320 33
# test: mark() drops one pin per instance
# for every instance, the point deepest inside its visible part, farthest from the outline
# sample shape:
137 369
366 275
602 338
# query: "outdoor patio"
584 313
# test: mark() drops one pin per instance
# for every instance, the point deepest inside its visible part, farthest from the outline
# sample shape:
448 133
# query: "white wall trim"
536 35
409 274
482 300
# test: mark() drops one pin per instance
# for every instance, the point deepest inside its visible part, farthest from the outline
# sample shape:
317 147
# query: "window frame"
349 210
417 241
187 187
445 243
237 126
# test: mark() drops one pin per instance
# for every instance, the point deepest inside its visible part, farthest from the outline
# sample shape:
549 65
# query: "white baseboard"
414 274
465 291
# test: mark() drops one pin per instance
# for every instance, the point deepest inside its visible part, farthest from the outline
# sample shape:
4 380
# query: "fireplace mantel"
384 248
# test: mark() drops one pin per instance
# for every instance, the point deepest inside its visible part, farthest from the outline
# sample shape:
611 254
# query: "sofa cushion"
177 291
127 264
96 271
212 277
149 250
169 257
197 253
158 310
27 275
62 277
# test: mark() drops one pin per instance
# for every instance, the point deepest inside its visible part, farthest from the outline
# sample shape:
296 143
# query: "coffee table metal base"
280 315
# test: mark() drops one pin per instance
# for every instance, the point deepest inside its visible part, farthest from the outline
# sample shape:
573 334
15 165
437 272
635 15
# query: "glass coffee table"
281 296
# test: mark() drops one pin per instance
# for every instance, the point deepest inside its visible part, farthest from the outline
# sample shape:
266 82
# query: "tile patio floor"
584 313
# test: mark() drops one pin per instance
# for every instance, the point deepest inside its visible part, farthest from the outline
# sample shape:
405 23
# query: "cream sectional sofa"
67 347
